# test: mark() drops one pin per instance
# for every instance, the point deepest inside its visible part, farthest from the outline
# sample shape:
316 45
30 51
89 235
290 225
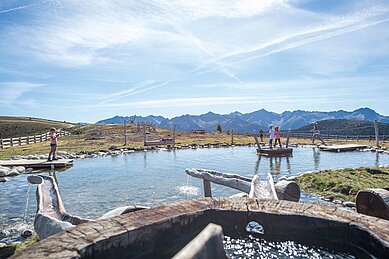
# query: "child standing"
277 134
53 144
271 136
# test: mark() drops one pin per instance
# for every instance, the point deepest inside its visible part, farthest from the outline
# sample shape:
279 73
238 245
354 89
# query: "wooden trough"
285 190
162 231
37 164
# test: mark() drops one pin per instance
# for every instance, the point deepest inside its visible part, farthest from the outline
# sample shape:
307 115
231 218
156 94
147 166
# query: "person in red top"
53 144
277 136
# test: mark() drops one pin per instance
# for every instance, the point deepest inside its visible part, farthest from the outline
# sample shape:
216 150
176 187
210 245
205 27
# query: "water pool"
94 186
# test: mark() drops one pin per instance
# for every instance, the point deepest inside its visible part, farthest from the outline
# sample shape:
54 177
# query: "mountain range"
253 121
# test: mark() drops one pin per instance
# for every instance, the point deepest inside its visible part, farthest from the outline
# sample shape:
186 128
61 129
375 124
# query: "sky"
83 61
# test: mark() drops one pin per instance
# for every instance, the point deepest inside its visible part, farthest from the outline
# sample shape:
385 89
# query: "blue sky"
88 60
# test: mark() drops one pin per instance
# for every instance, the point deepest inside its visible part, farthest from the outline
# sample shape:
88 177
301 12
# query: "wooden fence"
308 135
21 141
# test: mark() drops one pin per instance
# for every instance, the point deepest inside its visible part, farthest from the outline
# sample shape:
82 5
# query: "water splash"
188 190
25 214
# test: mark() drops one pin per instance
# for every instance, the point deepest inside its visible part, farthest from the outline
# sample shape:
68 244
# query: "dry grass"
94 137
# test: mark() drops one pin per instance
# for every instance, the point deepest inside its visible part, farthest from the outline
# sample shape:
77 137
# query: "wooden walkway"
342 148
35 164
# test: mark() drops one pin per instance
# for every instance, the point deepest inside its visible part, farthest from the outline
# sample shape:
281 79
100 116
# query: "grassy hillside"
24 126
347 127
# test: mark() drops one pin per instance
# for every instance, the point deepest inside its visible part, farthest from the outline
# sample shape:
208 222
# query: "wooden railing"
308 135
21 141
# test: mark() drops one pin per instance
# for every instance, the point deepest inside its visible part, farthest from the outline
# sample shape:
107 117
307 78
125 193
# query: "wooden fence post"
1 143
376 133
357 138
20 141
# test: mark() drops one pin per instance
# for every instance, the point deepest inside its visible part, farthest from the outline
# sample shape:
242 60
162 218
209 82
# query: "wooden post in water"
144 134
174 134
287 138
207 188
258 144
232 137
125 133
376 133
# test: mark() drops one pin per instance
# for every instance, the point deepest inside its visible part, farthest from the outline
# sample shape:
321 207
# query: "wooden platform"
342 148
160 142
35 164
275 151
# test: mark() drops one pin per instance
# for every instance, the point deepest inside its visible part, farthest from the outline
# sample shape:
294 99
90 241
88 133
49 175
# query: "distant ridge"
347 127
253 121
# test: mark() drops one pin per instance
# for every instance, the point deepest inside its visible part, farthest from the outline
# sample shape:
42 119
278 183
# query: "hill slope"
24 126
347 127
252 122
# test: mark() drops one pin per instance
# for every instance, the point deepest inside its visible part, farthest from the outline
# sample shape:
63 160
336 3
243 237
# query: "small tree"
219 128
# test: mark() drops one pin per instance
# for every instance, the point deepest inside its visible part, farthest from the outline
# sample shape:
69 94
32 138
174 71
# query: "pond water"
254 247
94 186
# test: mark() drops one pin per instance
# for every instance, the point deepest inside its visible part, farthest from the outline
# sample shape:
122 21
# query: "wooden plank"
275 151
342 148
37 163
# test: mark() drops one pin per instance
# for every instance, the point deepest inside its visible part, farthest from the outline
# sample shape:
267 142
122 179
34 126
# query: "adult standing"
261 134
316 133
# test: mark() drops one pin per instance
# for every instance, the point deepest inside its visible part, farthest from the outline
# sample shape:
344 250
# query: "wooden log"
287 190
207 244
207 188
373 202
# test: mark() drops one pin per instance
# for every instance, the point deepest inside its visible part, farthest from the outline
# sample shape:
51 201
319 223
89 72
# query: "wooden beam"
207 188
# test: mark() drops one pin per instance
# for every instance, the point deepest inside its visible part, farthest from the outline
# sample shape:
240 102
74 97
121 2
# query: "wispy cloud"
332 28
11 91
16 8
140 88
